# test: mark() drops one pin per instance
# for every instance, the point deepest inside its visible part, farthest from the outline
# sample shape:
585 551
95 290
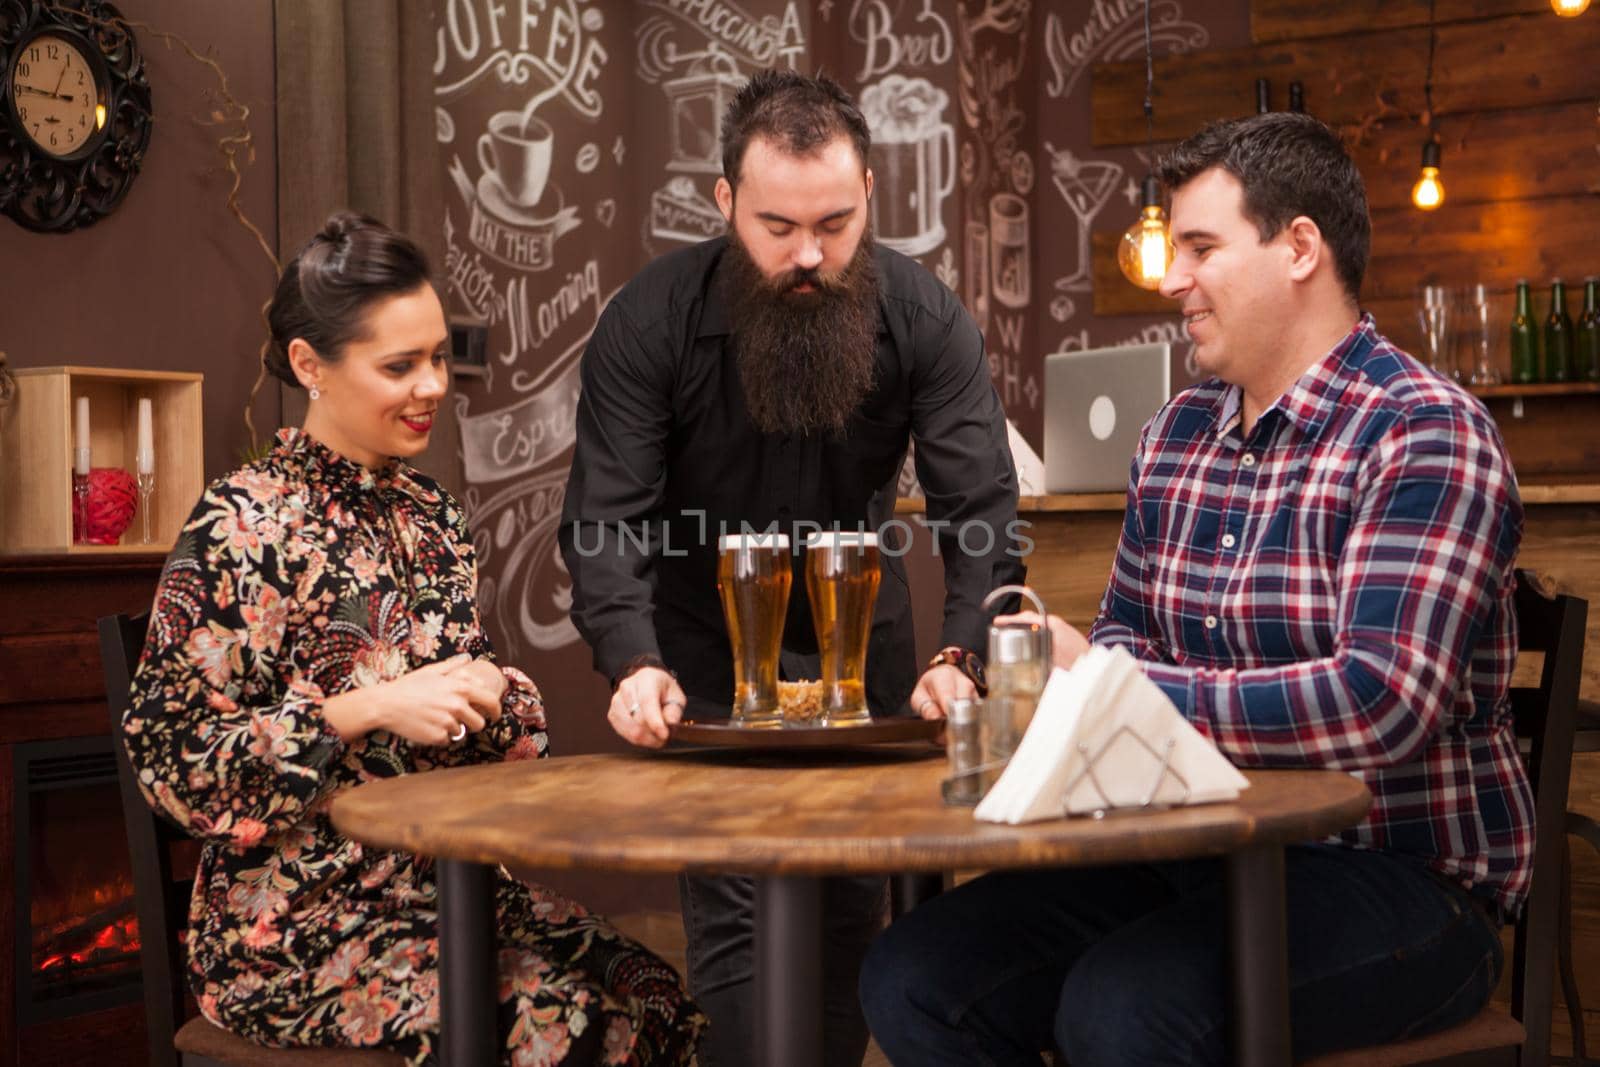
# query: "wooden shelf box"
36 438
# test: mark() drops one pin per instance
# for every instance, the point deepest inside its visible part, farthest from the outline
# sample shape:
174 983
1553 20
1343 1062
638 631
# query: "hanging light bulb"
1569 9
1145 252
1428 193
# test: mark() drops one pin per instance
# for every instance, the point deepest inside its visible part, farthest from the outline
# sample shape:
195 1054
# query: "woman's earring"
313 392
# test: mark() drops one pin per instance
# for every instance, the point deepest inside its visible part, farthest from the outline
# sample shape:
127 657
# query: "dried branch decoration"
235 142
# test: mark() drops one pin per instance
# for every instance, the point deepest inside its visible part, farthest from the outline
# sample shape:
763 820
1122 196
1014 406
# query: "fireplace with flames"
77 939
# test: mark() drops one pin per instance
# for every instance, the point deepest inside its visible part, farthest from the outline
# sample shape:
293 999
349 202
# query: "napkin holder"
1107 739
1164 770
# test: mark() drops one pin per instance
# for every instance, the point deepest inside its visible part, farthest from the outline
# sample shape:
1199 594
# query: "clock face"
57 95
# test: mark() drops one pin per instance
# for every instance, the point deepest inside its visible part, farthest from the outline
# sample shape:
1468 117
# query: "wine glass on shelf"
1435 318
1478 313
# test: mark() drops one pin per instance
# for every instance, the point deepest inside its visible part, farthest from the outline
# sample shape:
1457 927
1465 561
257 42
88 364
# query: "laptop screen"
1095 403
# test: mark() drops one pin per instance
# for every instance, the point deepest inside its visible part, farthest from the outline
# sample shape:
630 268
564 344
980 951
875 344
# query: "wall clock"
74 112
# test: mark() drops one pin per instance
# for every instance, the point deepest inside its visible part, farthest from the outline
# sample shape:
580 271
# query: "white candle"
80 453
146 454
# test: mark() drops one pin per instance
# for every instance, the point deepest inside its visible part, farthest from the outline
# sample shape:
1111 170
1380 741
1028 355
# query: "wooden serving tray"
877 731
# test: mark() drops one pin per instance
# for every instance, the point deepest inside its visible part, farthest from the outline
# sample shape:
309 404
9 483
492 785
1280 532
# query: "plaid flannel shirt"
1334 589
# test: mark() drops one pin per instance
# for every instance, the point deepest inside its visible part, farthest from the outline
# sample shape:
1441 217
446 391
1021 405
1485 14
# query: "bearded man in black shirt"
773 378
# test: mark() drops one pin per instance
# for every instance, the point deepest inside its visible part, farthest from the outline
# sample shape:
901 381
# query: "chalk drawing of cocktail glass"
1086 185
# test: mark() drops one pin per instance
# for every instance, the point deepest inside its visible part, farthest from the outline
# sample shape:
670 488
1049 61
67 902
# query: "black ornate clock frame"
51 194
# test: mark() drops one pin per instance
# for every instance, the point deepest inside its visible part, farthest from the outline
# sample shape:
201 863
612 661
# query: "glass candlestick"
147 488
80 507
80 480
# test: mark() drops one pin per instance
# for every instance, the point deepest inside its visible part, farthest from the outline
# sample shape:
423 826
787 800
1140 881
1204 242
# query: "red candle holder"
108 511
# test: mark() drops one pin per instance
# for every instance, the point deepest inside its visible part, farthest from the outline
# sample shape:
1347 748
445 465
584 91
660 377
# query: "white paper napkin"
1105 709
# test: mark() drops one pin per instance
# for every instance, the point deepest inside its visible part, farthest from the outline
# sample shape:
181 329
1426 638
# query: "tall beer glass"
753 576
842 582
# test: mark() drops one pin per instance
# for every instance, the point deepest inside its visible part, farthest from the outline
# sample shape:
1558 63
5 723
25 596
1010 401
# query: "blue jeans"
719 922
1130 965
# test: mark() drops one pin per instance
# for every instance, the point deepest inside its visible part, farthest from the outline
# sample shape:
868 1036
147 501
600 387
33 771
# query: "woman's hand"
433 705
487 686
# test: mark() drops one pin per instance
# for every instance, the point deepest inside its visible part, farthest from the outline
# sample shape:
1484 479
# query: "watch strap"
964 660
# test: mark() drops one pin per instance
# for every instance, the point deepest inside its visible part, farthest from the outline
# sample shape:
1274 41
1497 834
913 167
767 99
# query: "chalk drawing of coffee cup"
517 153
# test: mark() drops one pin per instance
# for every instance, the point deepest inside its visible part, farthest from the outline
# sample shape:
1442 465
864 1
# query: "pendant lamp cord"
1150 87
1427 79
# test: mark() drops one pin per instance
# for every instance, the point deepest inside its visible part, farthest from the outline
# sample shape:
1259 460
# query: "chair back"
1545 718
160 902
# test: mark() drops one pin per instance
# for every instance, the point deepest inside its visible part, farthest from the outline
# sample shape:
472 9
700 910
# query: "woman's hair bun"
326 290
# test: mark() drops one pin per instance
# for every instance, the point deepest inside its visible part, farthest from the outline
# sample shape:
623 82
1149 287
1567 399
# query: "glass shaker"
1017 668
964 747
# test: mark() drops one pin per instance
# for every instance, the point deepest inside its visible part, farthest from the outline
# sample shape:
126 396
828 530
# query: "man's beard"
806 359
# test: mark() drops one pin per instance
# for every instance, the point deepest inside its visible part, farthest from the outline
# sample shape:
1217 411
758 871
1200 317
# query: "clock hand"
40 92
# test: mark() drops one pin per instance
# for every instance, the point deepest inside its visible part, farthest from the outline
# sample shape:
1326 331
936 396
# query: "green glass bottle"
1586 349
1558 336
1524 340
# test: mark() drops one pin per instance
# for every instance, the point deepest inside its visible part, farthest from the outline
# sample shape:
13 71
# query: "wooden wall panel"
1488 156
1513 62
1283 20
1495 243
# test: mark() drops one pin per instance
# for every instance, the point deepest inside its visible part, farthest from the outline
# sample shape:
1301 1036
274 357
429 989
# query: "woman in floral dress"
316 627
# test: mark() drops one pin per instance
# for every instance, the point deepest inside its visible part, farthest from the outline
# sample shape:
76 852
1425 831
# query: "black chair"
1585 739
161 902
1545 719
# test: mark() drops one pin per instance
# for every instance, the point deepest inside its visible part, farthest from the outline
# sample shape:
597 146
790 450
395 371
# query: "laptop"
1095 403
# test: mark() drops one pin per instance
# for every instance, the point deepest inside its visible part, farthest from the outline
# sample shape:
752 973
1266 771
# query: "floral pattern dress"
298 577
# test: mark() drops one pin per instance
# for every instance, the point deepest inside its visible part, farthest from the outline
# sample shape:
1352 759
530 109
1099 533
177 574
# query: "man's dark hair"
1290 165
800 113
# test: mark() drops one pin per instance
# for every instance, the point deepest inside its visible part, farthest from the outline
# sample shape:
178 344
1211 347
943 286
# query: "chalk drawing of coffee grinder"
912 159
696 101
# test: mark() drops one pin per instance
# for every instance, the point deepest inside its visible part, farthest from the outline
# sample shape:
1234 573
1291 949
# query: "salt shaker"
964 747
1017 669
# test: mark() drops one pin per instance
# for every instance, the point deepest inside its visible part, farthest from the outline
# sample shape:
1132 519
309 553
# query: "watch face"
56 94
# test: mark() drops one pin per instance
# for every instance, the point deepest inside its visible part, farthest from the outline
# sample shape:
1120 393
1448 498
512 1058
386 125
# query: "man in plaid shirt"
1316 567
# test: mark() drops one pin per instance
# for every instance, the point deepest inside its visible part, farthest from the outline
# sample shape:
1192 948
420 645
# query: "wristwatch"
964 660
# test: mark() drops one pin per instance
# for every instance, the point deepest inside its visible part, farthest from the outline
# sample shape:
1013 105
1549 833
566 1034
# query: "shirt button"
1247 460
1227 540
1211 622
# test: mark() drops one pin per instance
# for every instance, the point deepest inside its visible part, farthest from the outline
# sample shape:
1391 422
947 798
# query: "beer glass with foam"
753 576
842 583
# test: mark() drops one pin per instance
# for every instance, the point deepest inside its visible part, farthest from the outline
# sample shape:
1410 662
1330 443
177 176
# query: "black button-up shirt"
667 459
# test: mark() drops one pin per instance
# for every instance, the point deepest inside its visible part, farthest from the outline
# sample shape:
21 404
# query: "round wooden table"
790 819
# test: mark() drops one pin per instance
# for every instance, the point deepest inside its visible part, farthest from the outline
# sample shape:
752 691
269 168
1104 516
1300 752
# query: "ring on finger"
461 731
922 706
633 710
